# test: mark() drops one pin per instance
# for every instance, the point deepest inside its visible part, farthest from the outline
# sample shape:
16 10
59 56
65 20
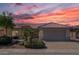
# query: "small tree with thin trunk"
28 32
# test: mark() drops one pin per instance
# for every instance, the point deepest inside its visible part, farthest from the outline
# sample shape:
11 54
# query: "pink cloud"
67 16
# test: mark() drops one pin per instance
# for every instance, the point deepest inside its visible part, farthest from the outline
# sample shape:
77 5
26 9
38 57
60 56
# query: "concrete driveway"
54 48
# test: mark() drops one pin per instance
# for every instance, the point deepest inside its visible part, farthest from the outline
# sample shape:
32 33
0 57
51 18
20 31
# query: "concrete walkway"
54 48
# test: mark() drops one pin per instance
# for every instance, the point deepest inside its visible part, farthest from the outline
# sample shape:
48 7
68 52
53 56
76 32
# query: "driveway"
54 48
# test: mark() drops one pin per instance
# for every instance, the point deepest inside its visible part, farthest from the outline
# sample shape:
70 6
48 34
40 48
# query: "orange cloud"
65 16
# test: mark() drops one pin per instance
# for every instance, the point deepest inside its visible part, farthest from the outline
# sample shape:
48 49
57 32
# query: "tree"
31 42
28 33
6 21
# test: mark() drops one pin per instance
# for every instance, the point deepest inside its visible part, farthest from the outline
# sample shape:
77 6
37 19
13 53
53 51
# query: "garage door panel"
54 34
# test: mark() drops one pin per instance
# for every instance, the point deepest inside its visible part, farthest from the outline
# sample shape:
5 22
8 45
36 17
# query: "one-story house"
54 32
46 31
58 32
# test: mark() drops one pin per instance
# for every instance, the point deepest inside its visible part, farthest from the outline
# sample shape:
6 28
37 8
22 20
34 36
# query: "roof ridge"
51 23
43 25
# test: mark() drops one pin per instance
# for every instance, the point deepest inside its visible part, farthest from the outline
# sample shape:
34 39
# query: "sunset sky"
63 13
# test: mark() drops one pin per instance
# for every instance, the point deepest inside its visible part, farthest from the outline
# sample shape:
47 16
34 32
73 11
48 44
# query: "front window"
77 34
15 33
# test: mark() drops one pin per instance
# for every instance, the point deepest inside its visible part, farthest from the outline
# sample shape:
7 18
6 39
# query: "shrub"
15 37
36 44
5 40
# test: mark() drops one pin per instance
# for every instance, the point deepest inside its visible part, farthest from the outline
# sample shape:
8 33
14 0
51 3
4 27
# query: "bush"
36 44
15 37
5 40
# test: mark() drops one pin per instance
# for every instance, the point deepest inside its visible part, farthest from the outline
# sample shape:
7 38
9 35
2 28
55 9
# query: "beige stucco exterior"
45 34
72 35
18 32
12 32
41 34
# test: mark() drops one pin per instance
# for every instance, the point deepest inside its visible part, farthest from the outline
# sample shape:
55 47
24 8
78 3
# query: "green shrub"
36 44
5 40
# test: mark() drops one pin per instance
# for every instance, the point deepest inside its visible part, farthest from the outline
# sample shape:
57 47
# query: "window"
15 33
77 34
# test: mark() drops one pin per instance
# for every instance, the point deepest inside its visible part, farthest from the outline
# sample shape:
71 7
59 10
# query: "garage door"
54 35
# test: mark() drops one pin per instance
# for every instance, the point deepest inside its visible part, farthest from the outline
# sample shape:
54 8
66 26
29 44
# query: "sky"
63 13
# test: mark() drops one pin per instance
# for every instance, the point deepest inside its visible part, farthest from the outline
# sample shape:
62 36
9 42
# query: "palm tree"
6 21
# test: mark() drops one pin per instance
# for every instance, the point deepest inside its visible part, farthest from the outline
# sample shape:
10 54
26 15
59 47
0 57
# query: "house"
54 32
46 31
49 31
58 32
